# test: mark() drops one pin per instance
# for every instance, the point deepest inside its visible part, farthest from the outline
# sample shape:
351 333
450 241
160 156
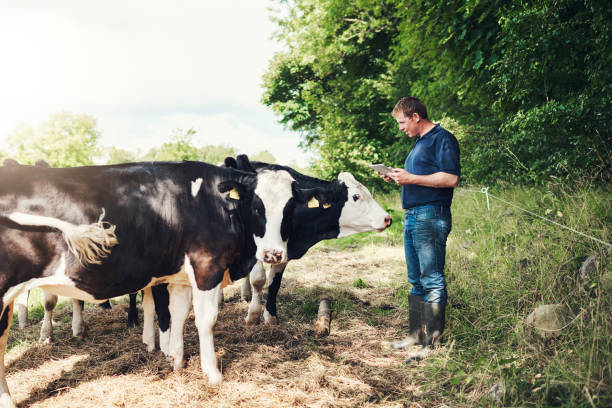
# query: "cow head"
360 212
273 207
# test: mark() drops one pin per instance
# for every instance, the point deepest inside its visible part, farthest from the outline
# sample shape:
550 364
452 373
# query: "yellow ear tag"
326 205
313 203
234 194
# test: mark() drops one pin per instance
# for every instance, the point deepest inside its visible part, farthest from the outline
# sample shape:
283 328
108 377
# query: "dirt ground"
263 366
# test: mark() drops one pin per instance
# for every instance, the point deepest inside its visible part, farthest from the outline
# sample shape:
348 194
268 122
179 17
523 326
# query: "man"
431 172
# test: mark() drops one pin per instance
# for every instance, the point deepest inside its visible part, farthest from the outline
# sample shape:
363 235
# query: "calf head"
361 212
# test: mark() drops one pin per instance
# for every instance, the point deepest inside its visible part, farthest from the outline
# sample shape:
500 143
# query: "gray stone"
588 268
548 320
497 391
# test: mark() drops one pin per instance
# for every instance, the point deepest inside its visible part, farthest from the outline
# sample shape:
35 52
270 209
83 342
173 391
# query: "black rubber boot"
415 314
433 327
433 323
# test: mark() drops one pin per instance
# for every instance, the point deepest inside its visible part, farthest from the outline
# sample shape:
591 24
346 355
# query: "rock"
548 320
521 264
588 268
497 391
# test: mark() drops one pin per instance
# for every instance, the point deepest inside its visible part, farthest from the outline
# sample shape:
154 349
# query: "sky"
144 69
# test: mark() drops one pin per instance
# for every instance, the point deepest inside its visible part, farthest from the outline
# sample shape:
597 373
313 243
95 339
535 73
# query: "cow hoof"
80 333
177 364
150 347
214 377
252 319
45 340
269 319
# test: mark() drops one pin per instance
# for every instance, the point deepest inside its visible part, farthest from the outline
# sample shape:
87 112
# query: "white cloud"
143 68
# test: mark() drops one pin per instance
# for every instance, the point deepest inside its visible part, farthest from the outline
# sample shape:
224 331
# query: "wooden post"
322 326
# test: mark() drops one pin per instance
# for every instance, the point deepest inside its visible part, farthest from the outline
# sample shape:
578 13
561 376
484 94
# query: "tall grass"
501 264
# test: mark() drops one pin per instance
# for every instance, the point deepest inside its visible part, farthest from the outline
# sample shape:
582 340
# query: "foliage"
330 84
264 156
501 264
116 155
64 140
528 82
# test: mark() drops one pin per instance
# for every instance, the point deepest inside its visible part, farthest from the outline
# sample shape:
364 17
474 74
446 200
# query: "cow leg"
245 289
148 326
106 305
180 302
78 324
161 297
5 326
270 312
220 299
133 311
22 308
206 310
46 330
258 280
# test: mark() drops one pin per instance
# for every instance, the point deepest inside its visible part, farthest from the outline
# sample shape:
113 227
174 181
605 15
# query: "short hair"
409 105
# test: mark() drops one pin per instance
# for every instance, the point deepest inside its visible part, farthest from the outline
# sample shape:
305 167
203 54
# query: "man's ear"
230 162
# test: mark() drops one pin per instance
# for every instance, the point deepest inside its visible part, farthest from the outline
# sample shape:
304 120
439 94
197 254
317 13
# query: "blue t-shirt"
437 150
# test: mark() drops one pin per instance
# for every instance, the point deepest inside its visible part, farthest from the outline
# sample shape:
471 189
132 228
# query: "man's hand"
385 177
400 176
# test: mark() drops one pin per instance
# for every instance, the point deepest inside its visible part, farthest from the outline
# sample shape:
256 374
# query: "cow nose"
388 221
272 256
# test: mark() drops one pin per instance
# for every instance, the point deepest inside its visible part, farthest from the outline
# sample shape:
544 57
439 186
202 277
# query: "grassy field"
501 264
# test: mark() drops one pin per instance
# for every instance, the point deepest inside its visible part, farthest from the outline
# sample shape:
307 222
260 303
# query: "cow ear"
313 197
345 177
230 162
244 163
234 190
237 190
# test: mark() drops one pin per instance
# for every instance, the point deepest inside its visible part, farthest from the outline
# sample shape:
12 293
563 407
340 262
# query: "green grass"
503 263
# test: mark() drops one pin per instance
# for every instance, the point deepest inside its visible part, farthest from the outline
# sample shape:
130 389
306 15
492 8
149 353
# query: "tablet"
381 168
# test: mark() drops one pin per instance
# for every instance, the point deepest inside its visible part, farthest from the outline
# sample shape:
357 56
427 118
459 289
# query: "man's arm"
436 180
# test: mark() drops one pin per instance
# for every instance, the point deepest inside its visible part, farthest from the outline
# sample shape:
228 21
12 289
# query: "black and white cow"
49 300
97 232
338 208
347 208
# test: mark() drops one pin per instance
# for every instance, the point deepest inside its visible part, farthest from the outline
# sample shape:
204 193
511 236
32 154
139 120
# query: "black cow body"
188 221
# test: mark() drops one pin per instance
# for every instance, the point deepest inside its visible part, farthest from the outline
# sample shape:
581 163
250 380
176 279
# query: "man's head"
410 114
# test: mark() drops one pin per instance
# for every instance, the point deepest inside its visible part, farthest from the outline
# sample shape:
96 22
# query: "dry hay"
263 366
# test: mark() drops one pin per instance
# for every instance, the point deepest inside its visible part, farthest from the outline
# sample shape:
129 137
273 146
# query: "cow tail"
90 243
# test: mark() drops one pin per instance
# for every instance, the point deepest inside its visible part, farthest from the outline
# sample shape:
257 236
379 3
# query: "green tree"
332 82
216 154
264 156
527 84
116 155
65 140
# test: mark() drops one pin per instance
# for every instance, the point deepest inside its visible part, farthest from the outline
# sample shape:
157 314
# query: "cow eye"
356 197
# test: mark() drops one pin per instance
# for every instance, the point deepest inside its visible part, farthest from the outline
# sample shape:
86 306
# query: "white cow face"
274 189
360 212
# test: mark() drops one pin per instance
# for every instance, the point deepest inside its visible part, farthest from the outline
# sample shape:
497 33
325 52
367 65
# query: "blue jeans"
425 230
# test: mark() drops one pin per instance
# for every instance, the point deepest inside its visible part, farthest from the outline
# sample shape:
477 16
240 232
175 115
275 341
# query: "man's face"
408 124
